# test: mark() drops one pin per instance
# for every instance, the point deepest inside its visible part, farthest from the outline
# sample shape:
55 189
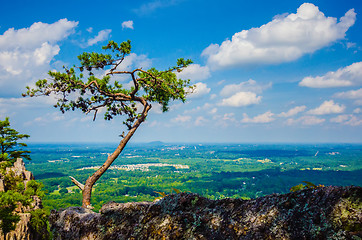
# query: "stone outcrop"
23 230
19 170
322 213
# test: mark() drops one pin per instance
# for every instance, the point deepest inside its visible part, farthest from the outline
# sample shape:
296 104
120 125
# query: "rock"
322 213
23 229
20 170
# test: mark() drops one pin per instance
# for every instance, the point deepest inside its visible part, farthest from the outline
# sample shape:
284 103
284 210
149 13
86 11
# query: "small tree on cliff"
10 148
78 88
13 193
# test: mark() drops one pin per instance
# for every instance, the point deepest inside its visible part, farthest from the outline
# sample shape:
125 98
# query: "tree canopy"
93 85
11 149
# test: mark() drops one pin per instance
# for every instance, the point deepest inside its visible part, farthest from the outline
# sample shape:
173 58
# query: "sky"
265 71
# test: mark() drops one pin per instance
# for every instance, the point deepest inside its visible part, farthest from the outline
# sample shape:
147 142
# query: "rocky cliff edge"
322 213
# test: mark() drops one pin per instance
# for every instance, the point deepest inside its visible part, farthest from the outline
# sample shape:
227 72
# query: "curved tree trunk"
87 188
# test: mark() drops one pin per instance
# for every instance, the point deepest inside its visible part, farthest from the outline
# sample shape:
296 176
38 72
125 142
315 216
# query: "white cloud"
354 121
9 106
149 7
37 34
225 120
241 99
327 107
200 90
340 118
101 36
195 72
357 110
200 121
262 118
343 77
306 120
25 54
130 62
248 86
293 111
353 94
284 39
205 108
135 61
213 111
351 45
347 120
127 24
47 118
181 119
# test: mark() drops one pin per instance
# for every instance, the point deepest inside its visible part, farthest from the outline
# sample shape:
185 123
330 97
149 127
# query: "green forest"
144 172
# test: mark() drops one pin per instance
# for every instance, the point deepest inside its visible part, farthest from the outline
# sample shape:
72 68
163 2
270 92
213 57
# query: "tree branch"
78 184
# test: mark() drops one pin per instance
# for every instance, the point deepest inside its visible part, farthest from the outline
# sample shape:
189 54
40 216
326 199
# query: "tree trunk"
87 191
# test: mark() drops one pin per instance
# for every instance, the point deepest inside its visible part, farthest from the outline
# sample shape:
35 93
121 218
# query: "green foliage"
214 172
92 93
34 188
306 185
10 148
63 190
39 222
8 203
16 194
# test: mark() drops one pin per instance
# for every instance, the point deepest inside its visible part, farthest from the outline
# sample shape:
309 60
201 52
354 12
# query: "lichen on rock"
323 213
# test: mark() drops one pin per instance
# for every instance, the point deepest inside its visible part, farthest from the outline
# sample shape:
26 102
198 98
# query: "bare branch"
78 184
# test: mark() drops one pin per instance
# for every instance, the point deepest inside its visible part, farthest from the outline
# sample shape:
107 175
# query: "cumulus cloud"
352 94
241 99
284 39
262 118
101 36
306 120
37 34
200 90
343 77
293 111
195 72
248 86
25 54
327 107
347 119
127 24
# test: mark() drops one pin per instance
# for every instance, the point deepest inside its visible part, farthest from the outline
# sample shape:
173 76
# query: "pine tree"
10 148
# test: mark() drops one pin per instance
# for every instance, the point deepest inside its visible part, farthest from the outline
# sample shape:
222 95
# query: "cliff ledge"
322 213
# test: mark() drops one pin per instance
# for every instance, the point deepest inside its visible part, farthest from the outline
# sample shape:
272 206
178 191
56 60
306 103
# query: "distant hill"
156 143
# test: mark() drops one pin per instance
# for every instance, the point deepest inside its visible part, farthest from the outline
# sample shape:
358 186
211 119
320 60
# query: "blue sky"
265 71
